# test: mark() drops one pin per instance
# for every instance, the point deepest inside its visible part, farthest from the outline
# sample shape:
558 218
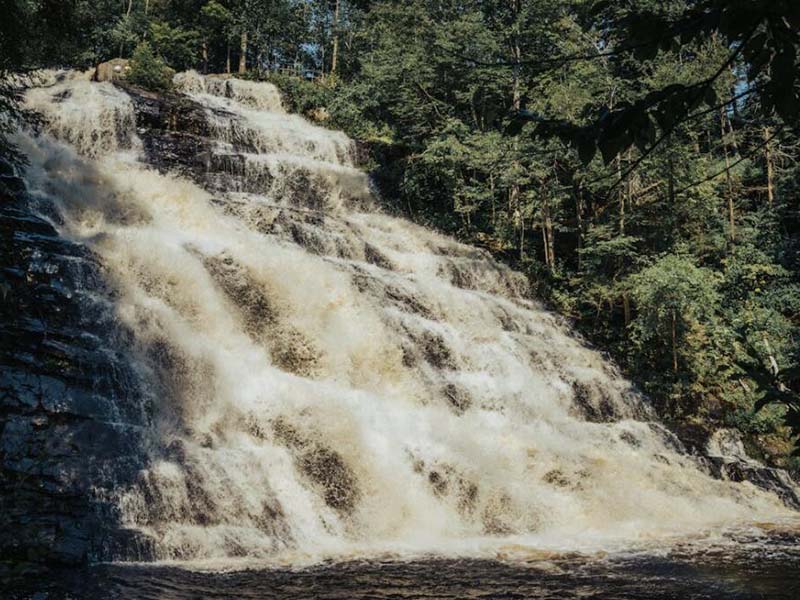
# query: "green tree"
676 302
148 70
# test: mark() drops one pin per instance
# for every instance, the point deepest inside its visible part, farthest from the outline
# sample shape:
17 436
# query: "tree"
675 300
177 46
148 70
217 24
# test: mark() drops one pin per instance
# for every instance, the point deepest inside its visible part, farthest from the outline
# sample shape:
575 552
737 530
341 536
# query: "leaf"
647 51
782 83
736 20
783 67
754 47
711 97
611 146
599 6
515 126
664 117
586 149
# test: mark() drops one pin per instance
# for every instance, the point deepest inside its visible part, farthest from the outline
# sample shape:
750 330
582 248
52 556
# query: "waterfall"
328 380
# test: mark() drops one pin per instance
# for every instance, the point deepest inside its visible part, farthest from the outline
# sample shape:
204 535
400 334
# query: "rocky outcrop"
727 458
721 453
71 410
112 70
174 132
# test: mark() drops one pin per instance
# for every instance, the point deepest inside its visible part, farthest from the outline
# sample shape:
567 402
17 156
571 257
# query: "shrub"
148 70
301 95
178 46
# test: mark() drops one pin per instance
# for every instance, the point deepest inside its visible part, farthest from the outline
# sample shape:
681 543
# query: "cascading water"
327 380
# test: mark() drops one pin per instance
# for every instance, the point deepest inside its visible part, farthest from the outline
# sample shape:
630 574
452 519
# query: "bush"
299 94
178 46
149 71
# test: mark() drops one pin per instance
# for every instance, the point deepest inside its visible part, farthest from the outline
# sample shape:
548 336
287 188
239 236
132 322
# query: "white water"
329 380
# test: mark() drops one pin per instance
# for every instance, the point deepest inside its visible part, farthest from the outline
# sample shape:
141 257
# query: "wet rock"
290 350
244 291
407 301
174 132
591 401
326 468
726 458
376 257
630 439
694 436
322 465
71 409
556 478
722 454
495 515
458 397
293 352
436 351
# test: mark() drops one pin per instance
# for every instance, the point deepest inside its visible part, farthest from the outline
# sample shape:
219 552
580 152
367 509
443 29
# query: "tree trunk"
550 239
579 217
516 103
671 168
127 14
547 233
516 51
626 308
546 246
228 59
335 51
773 364
243 53
731 215
621 196
674 342
627 198
494 211
205 56
770 168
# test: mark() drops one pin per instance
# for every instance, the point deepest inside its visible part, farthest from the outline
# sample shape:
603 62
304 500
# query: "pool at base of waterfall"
762 564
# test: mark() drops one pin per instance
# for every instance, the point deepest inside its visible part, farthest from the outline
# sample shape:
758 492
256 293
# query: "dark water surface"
768 569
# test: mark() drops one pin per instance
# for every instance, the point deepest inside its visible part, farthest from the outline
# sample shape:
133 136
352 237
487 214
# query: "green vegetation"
637 158
149 71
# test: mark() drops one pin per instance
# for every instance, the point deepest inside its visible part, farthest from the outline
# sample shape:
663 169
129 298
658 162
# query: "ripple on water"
760 562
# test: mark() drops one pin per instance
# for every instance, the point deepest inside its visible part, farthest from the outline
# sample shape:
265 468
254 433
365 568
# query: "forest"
637 159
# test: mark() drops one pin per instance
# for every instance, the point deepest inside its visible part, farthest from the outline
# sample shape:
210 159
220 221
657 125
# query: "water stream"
328 381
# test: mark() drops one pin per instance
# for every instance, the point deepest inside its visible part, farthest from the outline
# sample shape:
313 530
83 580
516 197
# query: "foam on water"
96 119
331 381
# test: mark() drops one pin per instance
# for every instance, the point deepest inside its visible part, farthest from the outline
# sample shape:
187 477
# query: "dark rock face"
726 458
71 406
173 130
721 453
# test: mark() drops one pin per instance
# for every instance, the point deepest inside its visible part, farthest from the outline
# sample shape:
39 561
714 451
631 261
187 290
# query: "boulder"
112 70
727 458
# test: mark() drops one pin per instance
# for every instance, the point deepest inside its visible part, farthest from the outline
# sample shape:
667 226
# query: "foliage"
176 46
765 33
148 70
